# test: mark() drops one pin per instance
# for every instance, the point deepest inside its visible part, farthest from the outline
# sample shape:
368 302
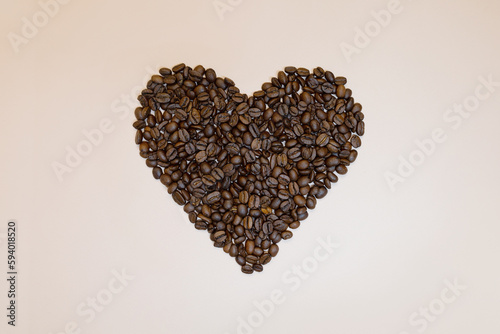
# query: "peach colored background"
396 247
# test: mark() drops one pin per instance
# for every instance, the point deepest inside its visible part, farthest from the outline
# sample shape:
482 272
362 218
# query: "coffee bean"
201 156
233 251
273 250
294 153
257 267
298 130
282 160
243 197
171 154
355 141
332 161
247 269
293 188
240 260
208 180
178 68
252 259
178 198
184 135
242 210
217 174
220 236
249 246
285 205
283 179
157 172
279 225
213 197
303 164
299 200
341 169
303 71
267 228
254 202
307 139
322 139
283 194
321 192
265 258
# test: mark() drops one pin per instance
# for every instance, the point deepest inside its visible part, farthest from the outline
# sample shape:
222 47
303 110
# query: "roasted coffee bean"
294 153
213 197
321 192
280 225
293 188
283 194
285 206
257 267
233 251
208 180
311 202
273 250
307 139
201 156
200 225
322 140
247 269
178 198
157 173
341 169
240 239
220 236
249 246
299 200
240 260
138 137
272 182
303 164
254 202
246 168
340 92
265 258
242 210
360 128
355 141
286 235
332 161
252 259
283 179
243 197
247 222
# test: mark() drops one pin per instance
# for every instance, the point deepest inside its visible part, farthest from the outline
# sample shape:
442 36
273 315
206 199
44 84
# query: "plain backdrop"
398 248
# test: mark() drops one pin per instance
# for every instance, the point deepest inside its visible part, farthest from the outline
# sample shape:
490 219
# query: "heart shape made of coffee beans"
247 168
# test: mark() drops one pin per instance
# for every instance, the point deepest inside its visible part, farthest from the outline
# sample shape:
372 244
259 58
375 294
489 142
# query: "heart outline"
247 168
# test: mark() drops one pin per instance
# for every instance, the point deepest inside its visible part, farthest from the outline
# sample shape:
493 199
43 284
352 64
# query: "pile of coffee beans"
247 168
